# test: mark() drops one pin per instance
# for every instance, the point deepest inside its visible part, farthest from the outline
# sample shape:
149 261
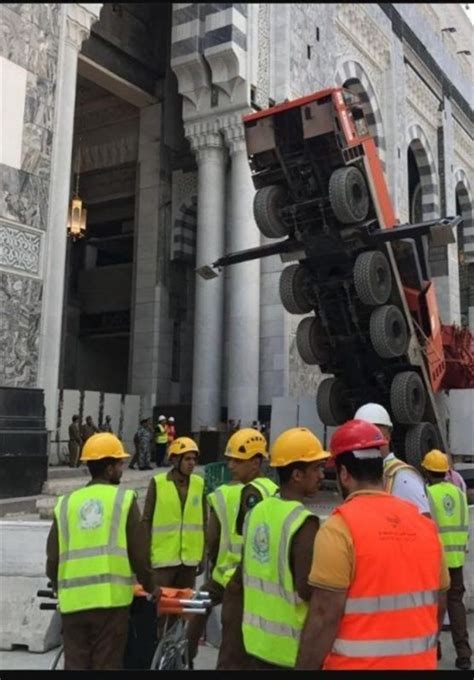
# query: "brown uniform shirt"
233 655
182 485
137 547
74 434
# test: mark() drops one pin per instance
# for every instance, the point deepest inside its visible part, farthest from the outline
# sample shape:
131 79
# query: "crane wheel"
292 289
408 398
267 204
311 342
349 195
419 439
372 278
388 332
331 403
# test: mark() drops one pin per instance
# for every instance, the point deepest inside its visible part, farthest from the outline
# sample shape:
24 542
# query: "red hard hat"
356 435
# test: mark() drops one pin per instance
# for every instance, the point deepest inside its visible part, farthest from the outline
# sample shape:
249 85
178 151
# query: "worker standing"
450 511
246 451
161 441
379 576
174 515
400 478
75 442
265 603
171 430
95 545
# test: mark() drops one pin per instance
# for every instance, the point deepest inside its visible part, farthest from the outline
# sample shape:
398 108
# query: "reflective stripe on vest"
390 615
177 534
387 603
225 501
97 576
274 613
378 648
391 468
451 514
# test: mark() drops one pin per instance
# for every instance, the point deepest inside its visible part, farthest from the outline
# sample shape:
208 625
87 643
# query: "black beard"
342 490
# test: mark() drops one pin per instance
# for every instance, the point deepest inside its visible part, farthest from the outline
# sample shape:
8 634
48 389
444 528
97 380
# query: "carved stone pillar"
76 24
243 332
208 146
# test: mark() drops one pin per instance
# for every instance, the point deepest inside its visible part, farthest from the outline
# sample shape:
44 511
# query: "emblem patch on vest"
91 514
448 504
261 543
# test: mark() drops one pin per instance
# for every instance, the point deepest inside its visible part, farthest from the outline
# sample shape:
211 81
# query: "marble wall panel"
42 15
20 304
20 249
23 197
37 149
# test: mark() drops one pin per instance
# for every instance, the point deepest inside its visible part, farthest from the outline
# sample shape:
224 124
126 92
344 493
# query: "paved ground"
206 659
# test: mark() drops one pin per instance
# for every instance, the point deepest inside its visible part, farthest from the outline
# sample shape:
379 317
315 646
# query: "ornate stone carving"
204 137
109 154
463 145
233 130
80 18
193 79
20 302
20 248
364 33
421 97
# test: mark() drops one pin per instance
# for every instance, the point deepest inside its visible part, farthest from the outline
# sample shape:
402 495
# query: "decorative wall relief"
20 305
20 249
23 197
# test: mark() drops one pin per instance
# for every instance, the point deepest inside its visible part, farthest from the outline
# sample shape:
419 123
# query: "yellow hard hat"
296 445
103 445
245 444
436 461
183 445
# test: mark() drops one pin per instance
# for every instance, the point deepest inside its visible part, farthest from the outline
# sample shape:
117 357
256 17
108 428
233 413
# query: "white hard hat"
171 419
162 418
373 413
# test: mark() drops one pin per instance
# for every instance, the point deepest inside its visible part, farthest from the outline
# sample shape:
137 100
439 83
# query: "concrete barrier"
22 573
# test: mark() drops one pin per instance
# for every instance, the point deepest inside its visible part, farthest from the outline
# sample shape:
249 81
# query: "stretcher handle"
48 605
46 593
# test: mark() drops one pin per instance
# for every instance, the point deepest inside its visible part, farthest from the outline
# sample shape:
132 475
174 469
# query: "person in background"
136 446
145 442
88 429
451 514
75 442
107 425
161 441
400 478
171 430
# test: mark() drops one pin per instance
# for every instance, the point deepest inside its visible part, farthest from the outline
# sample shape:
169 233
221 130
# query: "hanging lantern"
77 218
76 225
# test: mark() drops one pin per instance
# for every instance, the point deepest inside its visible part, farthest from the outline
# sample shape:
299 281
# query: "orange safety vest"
390 616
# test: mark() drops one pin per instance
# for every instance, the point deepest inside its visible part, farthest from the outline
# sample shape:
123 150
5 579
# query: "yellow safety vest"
274 614
161 436
225 501
450 511
94 569
266 486
177 535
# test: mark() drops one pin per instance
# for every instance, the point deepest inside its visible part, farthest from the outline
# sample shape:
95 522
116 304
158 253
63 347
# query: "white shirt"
409 486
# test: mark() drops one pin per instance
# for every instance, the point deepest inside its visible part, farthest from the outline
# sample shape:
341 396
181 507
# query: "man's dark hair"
284 473
74 418
97 467
437 475
362 470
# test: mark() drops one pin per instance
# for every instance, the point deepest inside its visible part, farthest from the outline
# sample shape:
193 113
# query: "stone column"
209 296
145 326
76 23
244 287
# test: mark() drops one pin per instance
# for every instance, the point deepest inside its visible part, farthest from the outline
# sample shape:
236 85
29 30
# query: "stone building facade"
144 103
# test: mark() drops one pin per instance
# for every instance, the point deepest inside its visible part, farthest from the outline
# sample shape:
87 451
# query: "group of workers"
365 589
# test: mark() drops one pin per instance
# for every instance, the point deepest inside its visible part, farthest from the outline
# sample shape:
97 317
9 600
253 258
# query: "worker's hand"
200 568
156 594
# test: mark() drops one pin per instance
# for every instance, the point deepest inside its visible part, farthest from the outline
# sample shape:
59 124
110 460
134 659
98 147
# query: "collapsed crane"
364 279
